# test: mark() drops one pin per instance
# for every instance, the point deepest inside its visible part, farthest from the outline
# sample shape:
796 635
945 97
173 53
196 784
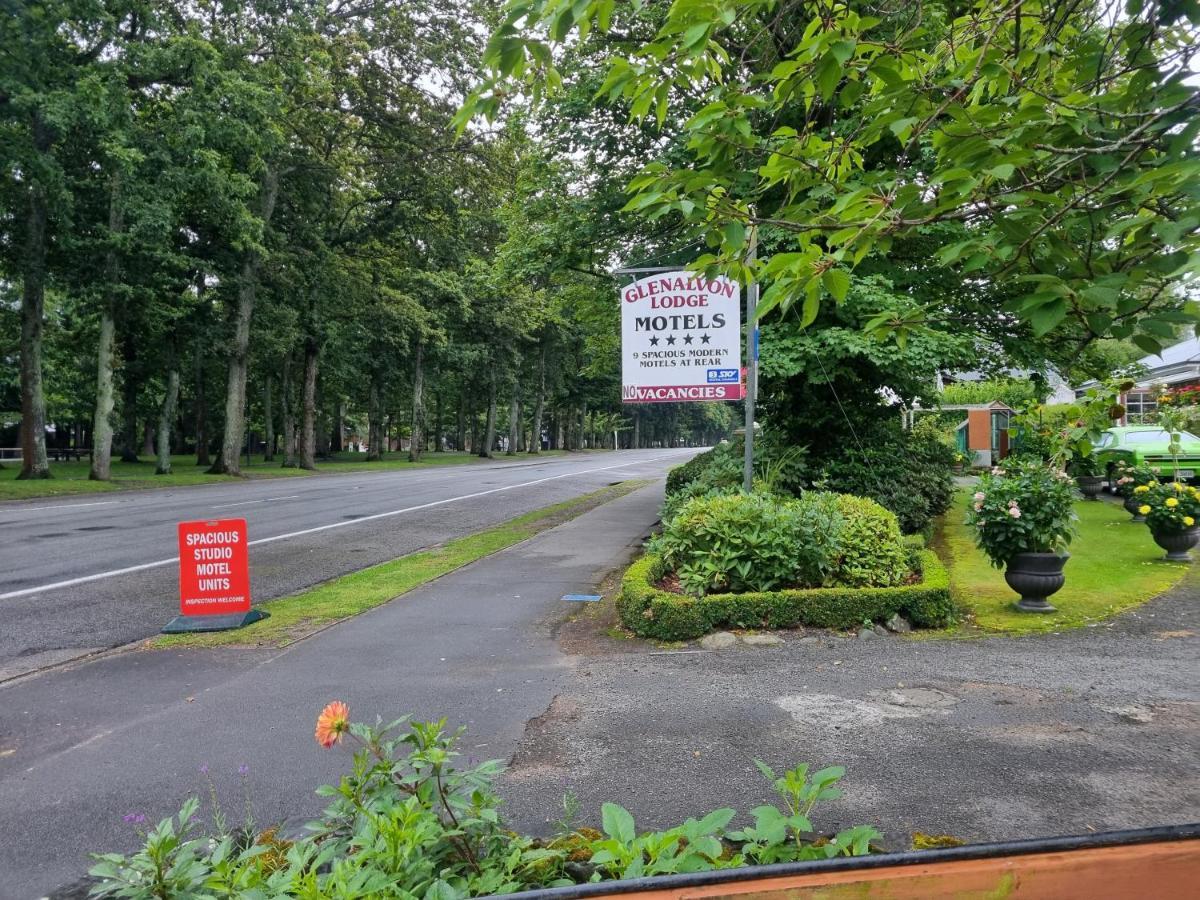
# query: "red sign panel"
214 569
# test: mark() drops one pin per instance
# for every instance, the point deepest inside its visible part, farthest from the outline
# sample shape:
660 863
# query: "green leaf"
735 235
827 75
618 823
837 282
1147 343
812 303
1047 316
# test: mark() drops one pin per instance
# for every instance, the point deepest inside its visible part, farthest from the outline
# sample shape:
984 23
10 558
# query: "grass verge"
72 477
1114 566
302 614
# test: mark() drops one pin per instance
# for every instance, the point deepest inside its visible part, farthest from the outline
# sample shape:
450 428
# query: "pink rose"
1014 512
978 507
979 495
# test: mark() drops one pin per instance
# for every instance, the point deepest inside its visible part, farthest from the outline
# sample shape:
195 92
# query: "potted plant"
1024 520
960 462
1171 511
1131 482
1087 475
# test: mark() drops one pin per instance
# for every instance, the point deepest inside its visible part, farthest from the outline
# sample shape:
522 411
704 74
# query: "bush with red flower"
1023 506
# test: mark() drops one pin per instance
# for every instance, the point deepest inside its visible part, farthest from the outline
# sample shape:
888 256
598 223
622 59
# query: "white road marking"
71 582
263 500
63 506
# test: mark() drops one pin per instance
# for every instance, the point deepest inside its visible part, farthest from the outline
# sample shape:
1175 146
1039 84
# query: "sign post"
214 577
751 367
680 339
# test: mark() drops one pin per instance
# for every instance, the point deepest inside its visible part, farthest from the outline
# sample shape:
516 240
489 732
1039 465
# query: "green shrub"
683 475
911 475
654 613
750 542
777 469
871 550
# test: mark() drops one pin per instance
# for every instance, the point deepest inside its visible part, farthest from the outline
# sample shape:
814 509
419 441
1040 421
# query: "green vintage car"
1148 445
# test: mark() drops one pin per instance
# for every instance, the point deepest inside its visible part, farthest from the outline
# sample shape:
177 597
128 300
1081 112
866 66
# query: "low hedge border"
654 613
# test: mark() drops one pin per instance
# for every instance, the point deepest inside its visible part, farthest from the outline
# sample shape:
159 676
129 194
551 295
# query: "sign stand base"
189 624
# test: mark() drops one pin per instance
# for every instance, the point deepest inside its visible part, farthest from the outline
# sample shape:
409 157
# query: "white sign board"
681 339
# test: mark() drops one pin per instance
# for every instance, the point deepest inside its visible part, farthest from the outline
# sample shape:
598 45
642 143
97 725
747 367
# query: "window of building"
1140 406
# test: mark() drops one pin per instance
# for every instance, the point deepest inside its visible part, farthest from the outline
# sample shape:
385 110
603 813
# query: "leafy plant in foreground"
407 823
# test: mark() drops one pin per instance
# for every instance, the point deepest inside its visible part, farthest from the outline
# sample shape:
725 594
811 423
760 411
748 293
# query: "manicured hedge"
654 613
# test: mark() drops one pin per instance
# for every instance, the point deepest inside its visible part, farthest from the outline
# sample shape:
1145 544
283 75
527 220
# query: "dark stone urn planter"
1035 576
1090 486
1177 543
1132 505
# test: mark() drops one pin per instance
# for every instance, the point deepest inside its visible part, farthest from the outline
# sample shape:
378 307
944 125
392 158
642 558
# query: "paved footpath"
81 747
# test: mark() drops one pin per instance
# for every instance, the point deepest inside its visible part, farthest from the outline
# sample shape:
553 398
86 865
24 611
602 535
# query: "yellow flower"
1143 510
1141 489
1172 502
1189 521
1177 485
1154 482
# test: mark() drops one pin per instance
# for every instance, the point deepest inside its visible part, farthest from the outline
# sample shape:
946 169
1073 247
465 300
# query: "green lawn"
72 477
1114 565
318 607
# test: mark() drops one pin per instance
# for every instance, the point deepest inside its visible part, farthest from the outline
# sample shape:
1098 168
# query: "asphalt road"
88 573
83 745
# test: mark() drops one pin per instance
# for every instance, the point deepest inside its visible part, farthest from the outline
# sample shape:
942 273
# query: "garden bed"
652 612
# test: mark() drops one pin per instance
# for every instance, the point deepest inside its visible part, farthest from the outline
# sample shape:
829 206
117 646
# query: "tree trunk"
102 431
34 462
514 423
636 440
489 430
539 407
101 469
374 420
417 441
439 442
229 461
336 444
308 405
460 425
129 392
147 439
289 416
268 421
202 457
165 418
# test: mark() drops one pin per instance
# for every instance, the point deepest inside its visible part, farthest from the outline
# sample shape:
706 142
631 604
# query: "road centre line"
158 563
263 500
61 506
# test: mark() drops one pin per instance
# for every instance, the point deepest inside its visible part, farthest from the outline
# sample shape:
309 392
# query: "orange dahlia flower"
332 723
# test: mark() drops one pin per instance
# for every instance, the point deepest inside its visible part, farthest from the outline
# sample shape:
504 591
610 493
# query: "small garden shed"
983 434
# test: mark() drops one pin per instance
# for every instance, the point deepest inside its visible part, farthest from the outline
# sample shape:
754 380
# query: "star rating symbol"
687 338
704 338
654 341
671 341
